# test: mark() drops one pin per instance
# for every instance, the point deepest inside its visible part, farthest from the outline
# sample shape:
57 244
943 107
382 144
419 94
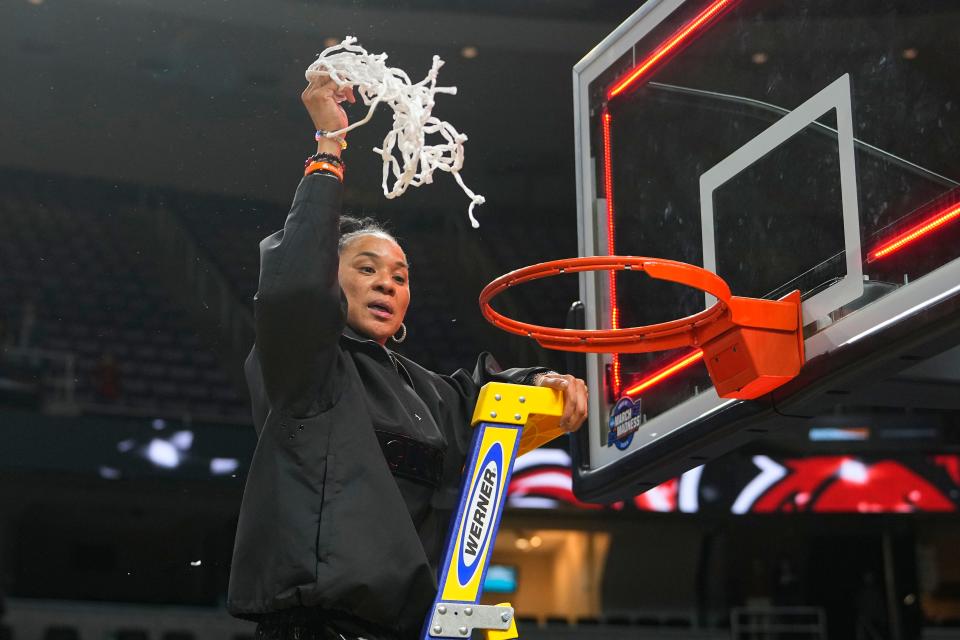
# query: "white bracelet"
325 135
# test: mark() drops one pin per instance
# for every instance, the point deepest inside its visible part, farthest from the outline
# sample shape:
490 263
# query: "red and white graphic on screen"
819 484
844 484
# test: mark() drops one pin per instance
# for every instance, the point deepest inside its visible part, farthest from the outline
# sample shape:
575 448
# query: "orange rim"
609 339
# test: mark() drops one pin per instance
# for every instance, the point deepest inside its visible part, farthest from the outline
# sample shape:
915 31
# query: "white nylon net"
350 64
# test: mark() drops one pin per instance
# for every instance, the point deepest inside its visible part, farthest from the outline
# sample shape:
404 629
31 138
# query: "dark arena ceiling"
204 96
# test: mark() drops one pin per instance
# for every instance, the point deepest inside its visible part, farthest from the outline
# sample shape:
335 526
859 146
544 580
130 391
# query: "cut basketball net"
349 64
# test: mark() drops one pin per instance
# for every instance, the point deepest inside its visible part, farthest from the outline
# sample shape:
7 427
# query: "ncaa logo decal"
481 514
624 421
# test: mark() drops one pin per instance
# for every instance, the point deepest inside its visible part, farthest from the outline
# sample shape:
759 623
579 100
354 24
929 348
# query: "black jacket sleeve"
487 370
298 309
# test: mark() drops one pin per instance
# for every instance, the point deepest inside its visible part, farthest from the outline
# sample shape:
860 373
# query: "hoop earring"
402 334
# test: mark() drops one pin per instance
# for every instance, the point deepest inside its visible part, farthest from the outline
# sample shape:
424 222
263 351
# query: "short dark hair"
352 228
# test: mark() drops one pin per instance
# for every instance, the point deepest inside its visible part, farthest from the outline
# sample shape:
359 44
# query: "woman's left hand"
575 397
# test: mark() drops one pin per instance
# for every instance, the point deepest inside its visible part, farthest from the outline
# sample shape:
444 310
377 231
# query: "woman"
360 450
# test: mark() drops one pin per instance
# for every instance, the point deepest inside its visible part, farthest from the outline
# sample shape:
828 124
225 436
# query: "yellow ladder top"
537 409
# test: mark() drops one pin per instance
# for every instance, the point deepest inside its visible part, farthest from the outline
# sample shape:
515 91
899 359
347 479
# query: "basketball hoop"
750 345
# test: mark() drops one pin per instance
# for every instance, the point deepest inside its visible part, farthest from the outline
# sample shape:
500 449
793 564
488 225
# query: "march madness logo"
624 422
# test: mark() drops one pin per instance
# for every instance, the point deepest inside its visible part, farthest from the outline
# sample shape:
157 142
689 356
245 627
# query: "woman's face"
374 277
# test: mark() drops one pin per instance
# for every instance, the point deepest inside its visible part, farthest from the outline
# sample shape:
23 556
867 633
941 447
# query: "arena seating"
72 261
71 264
436 341
230 232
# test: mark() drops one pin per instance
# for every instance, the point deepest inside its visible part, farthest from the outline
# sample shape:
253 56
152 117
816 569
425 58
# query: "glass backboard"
783 145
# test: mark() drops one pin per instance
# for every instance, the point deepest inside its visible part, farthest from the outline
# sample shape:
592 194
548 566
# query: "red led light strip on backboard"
671 45
608 192
664 373
914 233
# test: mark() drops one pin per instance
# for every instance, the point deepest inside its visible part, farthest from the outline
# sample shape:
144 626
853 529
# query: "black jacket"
324 523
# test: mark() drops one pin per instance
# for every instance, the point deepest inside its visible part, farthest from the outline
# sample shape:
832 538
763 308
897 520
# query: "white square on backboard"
836 96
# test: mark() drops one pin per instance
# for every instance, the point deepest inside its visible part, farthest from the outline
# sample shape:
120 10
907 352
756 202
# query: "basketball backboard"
783 145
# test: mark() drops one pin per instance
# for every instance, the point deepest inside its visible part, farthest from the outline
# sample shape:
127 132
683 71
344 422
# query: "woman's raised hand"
322 98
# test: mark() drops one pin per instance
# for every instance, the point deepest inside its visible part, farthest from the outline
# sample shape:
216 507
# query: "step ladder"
508 421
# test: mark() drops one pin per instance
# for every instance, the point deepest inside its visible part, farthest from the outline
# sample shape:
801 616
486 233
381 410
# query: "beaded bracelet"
325 167
321 135
326 157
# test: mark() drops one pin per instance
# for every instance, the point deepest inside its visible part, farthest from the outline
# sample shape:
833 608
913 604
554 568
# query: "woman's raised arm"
297 309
